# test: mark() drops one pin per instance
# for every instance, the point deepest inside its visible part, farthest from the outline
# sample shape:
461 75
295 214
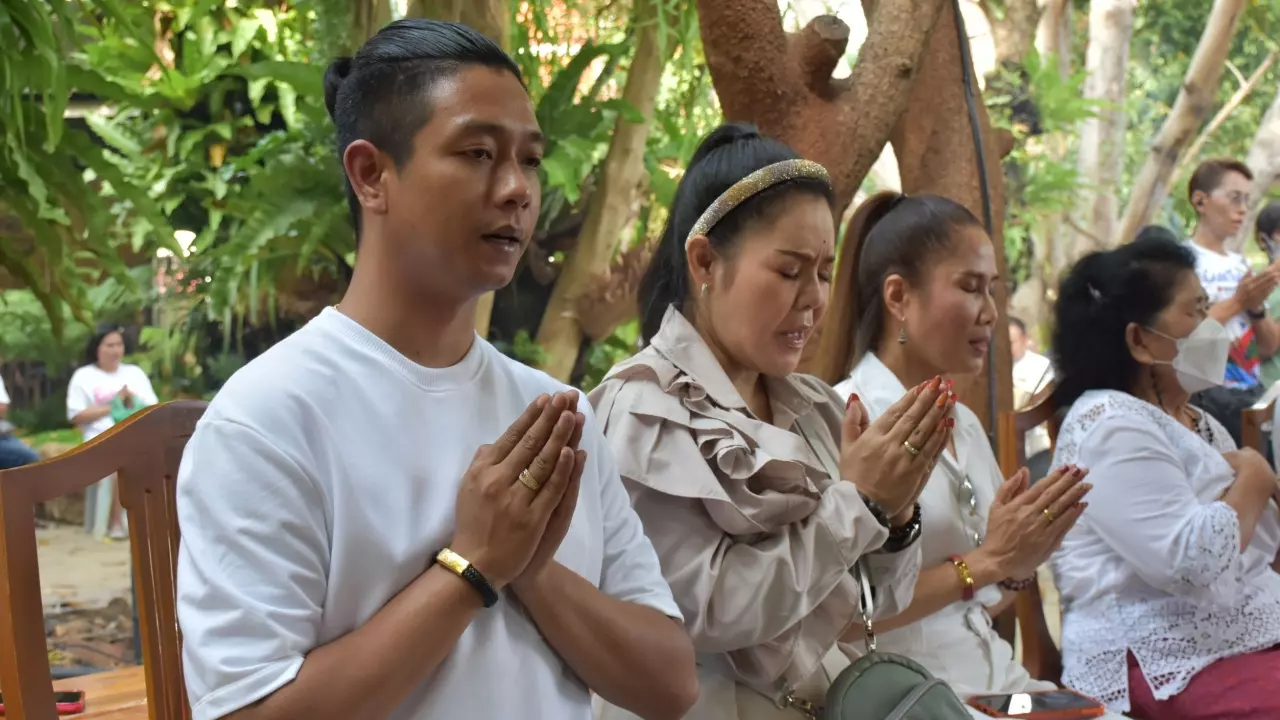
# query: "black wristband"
877 512
901 538
1256 314
459 566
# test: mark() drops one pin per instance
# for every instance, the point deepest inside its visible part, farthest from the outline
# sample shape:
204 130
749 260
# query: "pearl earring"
703 291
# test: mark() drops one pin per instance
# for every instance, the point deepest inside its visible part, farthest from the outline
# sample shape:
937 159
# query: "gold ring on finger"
911 449
527 480
1048 516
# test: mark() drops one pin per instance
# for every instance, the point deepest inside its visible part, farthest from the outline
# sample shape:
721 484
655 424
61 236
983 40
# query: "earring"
703 291
902 335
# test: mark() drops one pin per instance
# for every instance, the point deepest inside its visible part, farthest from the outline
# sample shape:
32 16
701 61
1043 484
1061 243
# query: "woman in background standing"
101 393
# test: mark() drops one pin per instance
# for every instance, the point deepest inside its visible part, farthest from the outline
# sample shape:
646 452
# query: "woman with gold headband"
759 488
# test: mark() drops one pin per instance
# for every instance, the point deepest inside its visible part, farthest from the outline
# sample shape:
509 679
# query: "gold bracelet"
966 577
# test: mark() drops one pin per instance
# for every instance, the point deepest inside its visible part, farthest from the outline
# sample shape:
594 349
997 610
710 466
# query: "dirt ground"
85 586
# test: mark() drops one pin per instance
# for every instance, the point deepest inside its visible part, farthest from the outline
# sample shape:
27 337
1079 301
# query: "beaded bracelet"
1017 585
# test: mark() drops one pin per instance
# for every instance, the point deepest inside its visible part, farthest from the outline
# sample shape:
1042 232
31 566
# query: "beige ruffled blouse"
755 537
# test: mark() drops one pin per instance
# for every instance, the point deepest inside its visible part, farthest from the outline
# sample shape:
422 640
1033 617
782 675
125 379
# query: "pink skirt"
1243 687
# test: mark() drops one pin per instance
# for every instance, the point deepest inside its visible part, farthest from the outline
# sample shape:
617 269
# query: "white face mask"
1201 362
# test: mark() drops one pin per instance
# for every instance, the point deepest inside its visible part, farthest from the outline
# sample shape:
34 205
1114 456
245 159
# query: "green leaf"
307 79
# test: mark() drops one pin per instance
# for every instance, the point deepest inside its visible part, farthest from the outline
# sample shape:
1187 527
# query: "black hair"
1268 223
890 234
1156 232
95 341
728 154
383 93
1097 300
1018 323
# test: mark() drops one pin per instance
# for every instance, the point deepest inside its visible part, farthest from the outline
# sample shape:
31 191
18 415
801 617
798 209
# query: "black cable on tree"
970 93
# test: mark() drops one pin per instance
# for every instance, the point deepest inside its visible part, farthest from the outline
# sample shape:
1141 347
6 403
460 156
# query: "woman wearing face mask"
759 489
1172 609
922 274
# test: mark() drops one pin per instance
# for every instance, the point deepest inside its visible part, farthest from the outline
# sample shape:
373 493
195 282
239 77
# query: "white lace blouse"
1154 566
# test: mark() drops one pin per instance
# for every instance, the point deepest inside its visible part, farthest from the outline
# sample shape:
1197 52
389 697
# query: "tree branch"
881 82
820 46
746 50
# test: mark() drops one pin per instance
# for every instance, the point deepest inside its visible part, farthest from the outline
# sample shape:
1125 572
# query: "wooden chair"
143 452
1255 425
1040 656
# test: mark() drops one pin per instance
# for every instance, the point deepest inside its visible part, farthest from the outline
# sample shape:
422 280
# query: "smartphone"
67 702
1044 705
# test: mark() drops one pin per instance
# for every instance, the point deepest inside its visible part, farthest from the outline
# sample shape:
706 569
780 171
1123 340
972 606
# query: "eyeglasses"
1239 199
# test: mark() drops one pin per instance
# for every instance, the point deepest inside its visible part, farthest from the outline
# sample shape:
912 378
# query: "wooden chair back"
1040 656
143 452
1254 422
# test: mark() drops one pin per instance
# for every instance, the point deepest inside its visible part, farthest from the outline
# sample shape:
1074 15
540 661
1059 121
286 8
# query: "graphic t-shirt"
91 386
1220 274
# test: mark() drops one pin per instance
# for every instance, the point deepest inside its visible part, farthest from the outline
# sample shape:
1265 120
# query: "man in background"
1032 373
13 452
1219 192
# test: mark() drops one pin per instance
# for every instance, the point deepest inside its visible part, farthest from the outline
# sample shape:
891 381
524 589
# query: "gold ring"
1048 516
912 449
527 480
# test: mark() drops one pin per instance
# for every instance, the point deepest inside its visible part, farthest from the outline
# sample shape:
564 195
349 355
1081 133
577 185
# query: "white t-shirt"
1220 274
4 396
91 386
1031 375
322 480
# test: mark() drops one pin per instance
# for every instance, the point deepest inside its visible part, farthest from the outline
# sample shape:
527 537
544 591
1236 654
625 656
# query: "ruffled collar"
682 345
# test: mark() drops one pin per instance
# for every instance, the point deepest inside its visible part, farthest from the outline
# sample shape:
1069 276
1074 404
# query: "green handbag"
884 686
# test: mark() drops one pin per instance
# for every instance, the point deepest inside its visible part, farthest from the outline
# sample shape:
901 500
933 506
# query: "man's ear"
367 170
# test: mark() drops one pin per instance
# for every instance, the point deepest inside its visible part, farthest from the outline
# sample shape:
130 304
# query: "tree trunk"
782 81
1013 31
368 17
1264 160
612 206
1101 146
490 17
1195 100
936 154
1031 302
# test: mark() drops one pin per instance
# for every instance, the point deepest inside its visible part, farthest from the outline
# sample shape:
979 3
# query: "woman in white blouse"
922 305
1172 609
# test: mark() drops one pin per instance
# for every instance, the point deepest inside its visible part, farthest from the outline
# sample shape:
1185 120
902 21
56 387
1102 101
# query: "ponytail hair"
890 234
728 154
1099 298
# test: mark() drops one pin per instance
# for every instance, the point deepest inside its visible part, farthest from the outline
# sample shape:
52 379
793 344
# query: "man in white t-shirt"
1219 191
347 552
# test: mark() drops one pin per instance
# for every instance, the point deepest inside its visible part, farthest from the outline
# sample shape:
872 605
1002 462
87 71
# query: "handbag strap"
866 591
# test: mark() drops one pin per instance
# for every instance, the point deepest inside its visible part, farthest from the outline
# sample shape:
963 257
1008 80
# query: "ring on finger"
912 450
1048 516
528 480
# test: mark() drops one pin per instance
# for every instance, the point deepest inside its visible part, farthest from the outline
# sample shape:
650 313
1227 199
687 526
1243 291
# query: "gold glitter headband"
758 181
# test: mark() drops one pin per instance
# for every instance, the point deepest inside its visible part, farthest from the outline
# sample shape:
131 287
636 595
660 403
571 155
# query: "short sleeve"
78 395
631 571
142 389
1144 507
252 567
